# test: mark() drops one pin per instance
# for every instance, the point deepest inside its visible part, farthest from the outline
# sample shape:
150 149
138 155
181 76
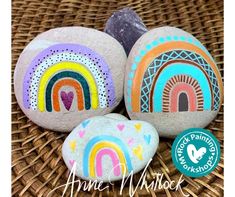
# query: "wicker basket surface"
37 164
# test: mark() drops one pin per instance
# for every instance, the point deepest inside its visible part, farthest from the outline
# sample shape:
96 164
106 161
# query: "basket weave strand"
37 164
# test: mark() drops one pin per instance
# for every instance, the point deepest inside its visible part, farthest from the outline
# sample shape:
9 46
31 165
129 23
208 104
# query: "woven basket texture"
37 164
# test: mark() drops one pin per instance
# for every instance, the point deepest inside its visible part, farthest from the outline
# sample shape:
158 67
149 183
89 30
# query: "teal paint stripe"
68 74
180 69
103 138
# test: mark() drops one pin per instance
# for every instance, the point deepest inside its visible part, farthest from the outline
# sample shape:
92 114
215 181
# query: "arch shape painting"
106 145
174 74
75 66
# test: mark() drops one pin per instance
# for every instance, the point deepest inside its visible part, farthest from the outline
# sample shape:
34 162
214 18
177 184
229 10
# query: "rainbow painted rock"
106 149
172 81
68 74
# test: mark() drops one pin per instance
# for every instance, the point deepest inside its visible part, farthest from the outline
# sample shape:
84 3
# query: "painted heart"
138 152
112 138
85 123
81 133
147 138
138 127
120 127
67 99
130 141
72 145
71 162
194 154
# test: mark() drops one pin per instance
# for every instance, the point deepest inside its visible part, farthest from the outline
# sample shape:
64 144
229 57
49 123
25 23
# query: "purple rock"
126 27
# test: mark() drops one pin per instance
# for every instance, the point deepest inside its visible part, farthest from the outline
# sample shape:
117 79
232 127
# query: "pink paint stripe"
183 87
113 156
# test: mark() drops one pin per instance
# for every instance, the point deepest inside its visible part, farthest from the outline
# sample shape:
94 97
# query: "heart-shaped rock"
104 153
194 154
68 74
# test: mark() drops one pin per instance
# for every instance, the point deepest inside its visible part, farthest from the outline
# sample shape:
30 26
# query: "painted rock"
126 26
68 74
172 81
116 116
106 149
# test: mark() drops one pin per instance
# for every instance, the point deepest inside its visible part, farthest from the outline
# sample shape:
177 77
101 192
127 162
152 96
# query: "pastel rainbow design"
73 65
174 74
100 146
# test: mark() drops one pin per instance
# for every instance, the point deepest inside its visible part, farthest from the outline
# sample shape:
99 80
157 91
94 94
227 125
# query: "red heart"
67 99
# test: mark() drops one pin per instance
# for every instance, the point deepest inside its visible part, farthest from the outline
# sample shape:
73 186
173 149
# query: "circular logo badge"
196 152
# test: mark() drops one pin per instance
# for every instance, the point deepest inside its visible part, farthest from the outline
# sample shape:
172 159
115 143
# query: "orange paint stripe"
192 99
68 82
149 57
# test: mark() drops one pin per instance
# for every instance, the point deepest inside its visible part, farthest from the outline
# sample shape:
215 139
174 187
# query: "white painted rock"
116 116
172 81
68 74
104 149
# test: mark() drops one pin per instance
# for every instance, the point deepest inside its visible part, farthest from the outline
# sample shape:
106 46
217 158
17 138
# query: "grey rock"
155 85
84 52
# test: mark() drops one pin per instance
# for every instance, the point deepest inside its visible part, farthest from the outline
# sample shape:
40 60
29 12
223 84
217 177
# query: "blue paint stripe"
129 83
180 69
67 74
103 138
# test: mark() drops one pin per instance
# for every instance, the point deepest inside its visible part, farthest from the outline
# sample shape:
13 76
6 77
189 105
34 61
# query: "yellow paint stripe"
98 147
72 66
